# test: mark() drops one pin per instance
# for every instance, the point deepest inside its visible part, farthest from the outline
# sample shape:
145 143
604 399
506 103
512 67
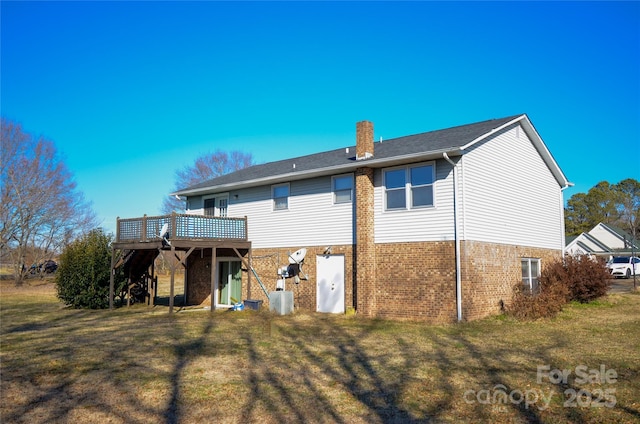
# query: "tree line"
613 204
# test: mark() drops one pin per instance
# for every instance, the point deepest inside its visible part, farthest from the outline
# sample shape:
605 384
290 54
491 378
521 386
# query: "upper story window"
280 195
395 182
216 206
531 273
342 188
411 186
223 206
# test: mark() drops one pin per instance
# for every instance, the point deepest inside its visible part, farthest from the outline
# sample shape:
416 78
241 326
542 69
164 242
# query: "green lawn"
140 365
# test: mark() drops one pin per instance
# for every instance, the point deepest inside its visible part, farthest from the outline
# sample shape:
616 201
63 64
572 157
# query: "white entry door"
330 283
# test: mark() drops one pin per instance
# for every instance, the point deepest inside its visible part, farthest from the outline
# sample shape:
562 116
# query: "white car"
624 266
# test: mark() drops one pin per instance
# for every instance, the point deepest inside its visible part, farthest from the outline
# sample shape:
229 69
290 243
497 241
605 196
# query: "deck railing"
181 226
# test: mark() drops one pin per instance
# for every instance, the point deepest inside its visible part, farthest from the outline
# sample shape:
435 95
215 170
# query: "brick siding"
412 281
489 272
267 261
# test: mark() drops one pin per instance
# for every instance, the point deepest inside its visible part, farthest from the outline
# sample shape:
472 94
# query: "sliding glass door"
229 282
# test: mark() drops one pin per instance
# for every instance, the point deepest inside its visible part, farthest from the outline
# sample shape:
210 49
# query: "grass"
140 365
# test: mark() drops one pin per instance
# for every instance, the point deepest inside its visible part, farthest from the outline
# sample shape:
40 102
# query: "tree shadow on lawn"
352 379
65 373
312 379
184 352
309 368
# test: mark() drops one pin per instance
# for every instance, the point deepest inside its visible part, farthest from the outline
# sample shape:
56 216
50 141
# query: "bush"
586 278
572 278
551 296
83 275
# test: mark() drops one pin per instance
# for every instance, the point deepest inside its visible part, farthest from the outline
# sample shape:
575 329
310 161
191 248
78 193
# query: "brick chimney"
364 140
365 248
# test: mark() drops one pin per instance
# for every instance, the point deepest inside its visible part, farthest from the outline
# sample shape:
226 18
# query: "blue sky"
131 91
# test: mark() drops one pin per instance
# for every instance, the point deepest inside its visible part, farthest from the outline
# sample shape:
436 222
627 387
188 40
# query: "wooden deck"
138 241
185 230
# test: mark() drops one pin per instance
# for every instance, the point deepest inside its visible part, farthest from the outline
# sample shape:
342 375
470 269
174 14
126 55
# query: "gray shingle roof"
445 140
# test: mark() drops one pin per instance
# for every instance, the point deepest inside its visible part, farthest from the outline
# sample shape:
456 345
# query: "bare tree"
629 204
41 208
204 168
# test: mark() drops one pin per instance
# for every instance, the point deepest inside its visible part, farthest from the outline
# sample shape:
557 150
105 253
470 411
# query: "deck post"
129 288
214 275
174 230
173 276
143 229
249 275
111 277
150 291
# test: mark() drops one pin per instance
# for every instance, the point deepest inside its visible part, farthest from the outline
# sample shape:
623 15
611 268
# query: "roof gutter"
457 239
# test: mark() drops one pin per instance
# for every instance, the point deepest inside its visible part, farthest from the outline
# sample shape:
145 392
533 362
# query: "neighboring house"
602 240
436 226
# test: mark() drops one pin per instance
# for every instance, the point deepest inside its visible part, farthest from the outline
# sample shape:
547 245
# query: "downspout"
562 226
457 240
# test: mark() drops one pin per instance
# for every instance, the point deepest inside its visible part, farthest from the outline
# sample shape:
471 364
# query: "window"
409 186
531 273
216 206
280 194
421 186
222 206
343 189
395 182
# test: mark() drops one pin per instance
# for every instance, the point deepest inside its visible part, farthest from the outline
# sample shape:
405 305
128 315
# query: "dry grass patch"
140 365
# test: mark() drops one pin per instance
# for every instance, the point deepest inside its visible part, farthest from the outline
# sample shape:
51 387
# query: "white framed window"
223 206
395 182
531 273
412 185
280 195
421 180
342 188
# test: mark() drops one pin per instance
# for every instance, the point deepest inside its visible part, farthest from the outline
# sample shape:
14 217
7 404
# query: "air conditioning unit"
281 302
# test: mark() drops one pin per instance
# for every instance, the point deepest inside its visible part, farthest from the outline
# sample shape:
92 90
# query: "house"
603 240
437 226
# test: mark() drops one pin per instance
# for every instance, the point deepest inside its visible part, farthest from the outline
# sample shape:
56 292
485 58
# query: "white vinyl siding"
509 196
613 241
312 219
417 224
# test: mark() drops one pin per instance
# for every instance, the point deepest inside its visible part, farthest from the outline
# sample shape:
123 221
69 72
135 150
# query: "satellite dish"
165 230
297 256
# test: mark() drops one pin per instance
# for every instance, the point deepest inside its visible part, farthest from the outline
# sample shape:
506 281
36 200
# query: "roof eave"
330 170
